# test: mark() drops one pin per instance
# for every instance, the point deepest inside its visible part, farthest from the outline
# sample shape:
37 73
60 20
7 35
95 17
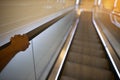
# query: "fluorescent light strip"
77 2
99 2
115 3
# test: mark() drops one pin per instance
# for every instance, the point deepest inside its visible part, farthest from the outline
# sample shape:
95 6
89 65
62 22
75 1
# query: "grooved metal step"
88 51
67 78
96 40
83 72
86 59
87 44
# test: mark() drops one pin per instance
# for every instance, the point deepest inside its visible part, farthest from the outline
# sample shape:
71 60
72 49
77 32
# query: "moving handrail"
39 29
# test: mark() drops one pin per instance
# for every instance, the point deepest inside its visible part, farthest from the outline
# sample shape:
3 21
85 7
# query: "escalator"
87 58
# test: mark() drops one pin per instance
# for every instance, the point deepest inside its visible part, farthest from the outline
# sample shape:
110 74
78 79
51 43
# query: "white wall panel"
47 43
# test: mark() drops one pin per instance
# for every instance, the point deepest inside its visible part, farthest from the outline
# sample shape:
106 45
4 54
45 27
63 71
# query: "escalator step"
80 37
86 35
87 44
88 51
96 40
83 72
88 60
67 78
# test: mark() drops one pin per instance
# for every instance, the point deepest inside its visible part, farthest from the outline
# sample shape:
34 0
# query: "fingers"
24 36
14 37
27 39
11 39
20 41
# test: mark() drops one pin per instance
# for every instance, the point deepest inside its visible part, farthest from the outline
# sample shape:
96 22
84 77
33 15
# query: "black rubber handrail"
33 33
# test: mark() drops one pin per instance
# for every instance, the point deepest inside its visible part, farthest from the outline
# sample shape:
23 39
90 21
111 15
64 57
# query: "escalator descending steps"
86 59
83 72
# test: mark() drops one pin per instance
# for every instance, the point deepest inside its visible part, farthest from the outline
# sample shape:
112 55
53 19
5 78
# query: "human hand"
19 42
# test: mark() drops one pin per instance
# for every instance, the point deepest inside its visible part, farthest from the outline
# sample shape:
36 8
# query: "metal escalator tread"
88 51
87 44
83 72
86 59
67 78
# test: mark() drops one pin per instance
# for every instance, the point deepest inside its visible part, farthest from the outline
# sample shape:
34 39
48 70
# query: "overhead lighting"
77 2
99 2
115 4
